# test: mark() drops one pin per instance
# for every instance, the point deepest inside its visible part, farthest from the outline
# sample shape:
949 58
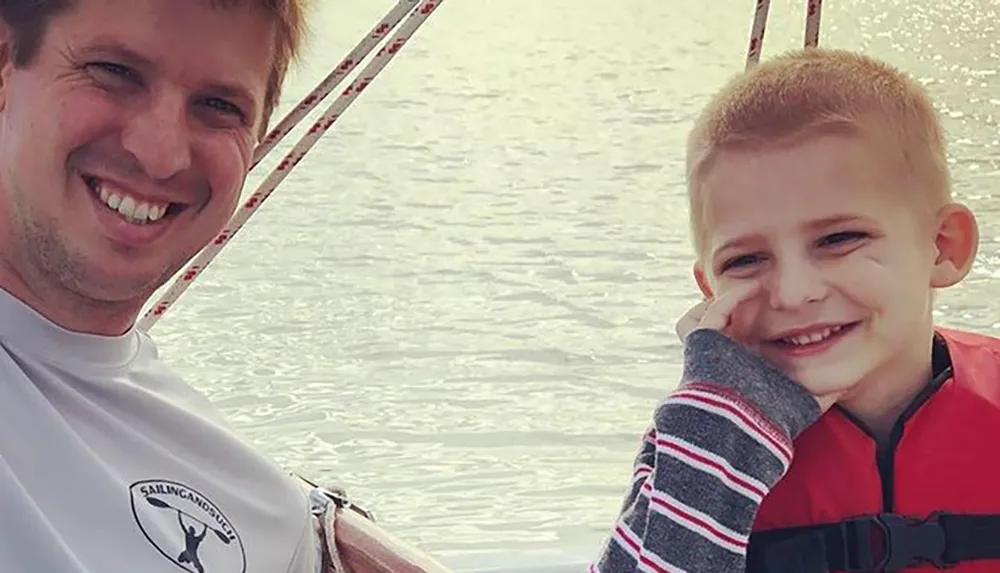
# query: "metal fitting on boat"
326 506
338 497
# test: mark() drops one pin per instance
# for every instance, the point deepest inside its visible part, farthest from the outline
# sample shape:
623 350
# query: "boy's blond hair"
819 91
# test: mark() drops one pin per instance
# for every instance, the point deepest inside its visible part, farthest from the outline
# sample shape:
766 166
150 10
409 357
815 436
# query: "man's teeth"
819 336
127 207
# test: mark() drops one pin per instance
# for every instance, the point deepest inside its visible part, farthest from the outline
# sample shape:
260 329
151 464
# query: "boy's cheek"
747 318
868 282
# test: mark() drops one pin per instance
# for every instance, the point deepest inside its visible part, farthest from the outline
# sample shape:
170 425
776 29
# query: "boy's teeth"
141 212
132 210
813 338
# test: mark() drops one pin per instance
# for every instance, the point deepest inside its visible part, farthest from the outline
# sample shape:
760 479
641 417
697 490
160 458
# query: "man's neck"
66 308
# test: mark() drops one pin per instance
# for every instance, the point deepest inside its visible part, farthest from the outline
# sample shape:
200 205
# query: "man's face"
125 143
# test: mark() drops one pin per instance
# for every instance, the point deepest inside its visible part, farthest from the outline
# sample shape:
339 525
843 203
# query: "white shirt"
110 463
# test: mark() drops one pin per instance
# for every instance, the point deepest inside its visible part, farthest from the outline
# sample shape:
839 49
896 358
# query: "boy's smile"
809 340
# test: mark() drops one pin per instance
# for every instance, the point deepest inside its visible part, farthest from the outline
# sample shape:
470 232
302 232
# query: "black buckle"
900 540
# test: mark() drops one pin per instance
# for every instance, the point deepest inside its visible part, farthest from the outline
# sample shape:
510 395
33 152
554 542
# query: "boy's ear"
702 280
957 241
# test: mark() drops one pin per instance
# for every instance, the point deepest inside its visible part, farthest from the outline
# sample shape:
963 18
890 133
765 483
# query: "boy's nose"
795 284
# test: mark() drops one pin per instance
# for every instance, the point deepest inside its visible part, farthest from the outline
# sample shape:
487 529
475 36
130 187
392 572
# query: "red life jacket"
931 498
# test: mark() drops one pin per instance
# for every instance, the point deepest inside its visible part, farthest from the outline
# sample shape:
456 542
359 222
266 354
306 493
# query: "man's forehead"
184 22
230 48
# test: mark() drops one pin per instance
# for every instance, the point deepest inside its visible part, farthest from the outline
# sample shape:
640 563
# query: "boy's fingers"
716 314
691 320
719 314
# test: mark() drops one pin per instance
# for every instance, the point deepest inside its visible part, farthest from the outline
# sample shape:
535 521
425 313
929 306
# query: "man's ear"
6 62
956 239
702 280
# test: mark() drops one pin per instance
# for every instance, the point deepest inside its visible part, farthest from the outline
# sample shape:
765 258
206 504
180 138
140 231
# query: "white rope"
417 17
813 9
757 32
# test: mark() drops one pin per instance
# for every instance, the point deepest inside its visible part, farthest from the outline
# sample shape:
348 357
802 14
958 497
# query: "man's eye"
115 71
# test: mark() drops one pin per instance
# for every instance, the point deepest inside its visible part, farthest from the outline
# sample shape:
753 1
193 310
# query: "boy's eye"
841 238
739 261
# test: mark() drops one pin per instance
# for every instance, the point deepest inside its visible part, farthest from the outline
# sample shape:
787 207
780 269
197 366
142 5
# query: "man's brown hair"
28 20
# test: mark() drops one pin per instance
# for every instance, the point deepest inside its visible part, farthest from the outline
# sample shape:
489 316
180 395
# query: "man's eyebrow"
110 47
105 47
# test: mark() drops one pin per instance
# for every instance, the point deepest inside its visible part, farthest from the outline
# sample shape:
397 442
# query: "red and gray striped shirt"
717 446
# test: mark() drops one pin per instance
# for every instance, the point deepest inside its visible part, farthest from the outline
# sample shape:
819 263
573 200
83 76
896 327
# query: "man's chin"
117 284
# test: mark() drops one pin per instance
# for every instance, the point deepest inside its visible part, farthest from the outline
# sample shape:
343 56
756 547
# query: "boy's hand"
718 314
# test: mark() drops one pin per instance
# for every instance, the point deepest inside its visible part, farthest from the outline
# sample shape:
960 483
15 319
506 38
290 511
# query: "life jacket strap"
886 542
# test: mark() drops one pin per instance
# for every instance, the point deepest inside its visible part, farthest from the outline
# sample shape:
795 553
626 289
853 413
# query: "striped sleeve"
717 445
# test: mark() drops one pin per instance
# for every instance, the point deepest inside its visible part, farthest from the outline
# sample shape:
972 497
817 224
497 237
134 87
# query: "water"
461 304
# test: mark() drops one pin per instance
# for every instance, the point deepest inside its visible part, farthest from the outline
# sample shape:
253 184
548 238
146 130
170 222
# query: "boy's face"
846 260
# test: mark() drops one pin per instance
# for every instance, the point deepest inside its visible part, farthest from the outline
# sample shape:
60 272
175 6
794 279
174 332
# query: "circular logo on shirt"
187 528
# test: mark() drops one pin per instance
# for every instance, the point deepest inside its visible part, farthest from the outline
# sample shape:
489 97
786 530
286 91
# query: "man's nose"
159 137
